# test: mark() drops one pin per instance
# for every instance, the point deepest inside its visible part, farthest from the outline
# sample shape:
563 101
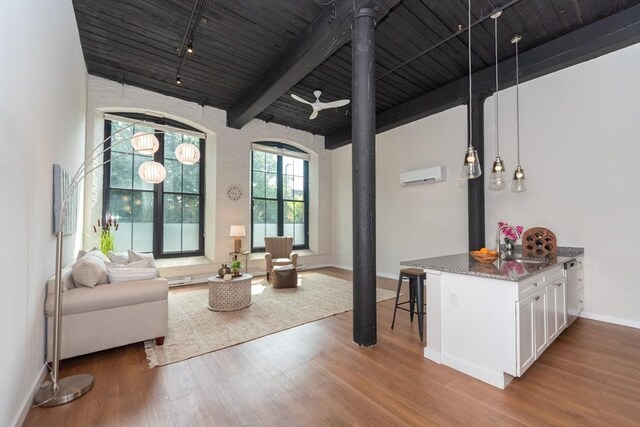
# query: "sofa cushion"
130 273
89 271
119 257
137 256
103 297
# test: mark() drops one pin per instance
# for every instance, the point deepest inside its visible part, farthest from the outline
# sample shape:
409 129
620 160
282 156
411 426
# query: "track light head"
190 47
178 81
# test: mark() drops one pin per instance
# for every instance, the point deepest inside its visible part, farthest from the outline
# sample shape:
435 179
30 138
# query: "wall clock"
234 193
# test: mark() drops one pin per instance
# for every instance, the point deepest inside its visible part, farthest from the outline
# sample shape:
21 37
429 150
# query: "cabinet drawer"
528 287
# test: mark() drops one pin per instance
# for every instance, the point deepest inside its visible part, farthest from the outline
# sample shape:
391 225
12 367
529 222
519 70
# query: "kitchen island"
492 321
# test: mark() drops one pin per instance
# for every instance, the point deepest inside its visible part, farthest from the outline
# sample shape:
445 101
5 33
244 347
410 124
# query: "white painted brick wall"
227 160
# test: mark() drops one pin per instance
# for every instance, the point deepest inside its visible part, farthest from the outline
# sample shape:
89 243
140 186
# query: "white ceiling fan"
318 106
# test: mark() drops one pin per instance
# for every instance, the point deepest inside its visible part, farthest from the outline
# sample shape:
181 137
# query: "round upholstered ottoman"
284 276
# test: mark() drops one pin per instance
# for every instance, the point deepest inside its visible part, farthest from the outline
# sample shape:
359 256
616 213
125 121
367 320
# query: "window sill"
301 254
183 262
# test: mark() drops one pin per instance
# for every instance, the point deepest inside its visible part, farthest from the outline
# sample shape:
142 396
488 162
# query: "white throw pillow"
129 274
93 252
119 257
137 256
89 271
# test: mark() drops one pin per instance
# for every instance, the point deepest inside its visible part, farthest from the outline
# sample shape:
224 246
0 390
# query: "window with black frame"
280 194
165 219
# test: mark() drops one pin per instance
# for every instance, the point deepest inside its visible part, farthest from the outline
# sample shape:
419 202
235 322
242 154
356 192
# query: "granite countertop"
500 269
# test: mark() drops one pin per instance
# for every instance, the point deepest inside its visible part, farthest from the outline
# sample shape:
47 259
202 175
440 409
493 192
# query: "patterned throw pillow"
137 256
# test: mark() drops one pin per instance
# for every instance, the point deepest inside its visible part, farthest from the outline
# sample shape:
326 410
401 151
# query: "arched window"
165 219
280 194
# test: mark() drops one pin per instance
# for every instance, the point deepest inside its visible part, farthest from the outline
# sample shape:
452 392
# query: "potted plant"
235 267
106 238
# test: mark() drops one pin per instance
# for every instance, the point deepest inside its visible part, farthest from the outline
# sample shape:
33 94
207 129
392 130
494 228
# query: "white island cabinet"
492 321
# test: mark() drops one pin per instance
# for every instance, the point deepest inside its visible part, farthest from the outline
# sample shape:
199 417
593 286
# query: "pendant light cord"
495 21
518 101
470 92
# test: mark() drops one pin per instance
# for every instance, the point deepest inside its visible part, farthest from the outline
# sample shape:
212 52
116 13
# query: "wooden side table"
229 295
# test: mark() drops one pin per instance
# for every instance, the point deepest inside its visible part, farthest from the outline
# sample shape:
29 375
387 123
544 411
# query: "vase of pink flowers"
511 235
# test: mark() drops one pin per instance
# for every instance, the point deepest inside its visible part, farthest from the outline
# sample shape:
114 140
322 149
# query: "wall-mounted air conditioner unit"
424 176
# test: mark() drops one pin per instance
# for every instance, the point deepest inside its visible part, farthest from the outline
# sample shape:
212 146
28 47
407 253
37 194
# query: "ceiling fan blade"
314 114
297 98
334 104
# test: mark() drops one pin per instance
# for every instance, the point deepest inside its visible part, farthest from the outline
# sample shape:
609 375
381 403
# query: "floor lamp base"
69 388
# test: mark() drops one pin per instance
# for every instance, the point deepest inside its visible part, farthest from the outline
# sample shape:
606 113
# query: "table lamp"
237 231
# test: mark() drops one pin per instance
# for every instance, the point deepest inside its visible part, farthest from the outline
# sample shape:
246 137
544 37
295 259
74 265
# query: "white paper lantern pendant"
145 143
152 172
187 154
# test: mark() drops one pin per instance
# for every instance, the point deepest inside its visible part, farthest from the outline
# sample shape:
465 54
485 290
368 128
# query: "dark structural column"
364 175
475 194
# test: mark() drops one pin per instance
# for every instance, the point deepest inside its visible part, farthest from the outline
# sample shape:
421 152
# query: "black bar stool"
417 278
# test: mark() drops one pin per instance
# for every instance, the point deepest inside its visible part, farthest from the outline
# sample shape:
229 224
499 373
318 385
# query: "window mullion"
280 196
158 203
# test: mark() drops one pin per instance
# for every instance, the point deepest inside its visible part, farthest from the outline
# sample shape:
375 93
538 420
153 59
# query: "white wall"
43 83
416 221
580 148
227 163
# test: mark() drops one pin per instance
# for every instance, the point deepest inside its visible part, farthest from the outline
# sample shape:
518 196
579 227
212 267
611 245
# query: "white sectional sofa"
107 315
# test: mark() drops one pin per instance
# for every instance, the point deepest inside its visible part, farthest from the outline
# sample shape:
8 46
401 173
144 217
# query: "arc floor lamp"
62 390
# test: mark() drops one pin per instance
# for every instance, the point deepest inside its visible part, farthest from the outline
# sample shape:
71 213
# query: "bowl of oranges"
484 255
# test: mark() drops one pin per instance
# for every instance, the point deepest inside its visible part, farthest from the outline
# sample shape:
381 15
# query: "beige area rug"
196 330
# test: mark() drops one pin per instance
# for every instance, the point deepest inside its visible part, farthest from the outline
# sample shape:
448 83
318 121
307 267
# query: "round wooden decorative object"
538 242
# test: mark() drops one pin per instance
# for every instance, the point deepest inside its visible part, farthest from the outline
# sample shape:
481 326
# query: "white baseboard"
611 319
344 267
349 268
434 356
496 379
22 415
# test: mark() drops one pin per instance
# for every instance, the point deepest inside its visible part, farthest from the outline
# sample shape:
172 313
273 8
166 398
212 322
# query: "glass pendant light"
471 166
496 181
518 184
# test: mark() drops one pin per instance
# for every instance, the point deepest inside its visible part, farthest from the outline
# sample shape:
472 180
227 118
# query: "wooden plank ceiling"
236 42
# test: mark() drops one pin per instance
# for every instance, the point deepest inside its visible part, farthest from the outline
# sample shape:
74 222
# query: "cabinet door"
526 339
551 312
540 322
561 304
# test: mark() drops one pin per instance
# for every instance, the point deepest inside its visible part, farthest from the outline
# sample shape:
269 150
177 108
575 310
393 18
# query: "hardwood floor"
315 375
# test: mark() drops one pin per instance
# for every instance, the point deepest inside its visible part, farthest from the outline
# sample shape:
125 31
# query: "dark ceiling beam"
330 31
602 37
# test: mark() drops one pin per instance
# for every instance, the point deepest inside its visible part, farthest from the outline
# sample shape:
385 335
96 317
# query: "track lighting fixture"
178 81
190 47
